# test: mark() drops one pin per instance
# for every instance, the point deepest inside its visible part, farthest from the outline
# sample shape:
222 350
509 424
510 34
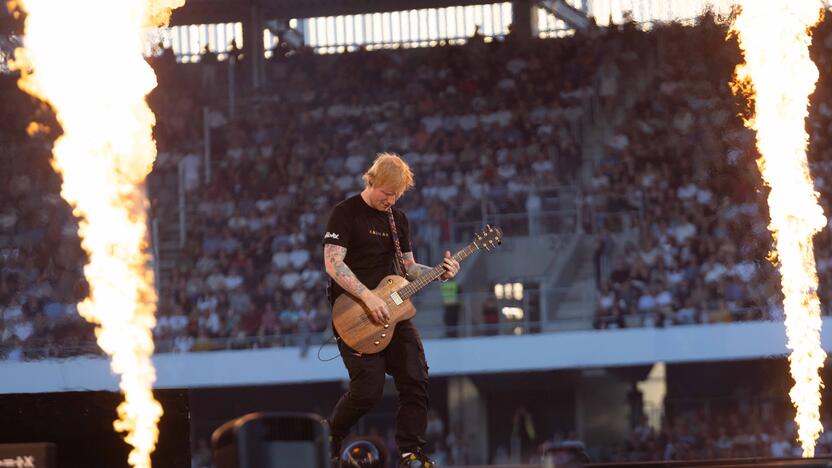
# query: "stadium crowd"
40 254
487 127
682 223
694 436
679 156
479 122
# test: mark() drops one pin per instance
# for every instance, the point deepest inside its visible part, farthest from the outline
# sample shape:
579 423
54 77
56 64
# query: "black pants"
404 359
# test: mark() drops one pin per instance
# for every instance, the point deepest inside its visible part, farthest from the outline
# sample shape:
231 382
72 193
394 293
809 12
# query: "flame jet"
779 76
84 57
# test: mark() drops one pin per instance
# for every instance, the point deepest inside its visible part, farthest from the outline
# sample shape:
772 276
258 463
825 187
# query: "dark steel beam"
221 11
229 11
211 11
311 8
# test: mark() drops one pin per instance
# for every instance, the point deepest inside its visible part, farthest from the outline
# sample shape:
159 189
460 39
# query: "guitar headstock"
488 238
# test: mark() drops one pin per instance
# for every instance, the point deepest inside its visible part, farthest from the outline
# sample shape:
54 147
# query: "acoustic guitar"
351 317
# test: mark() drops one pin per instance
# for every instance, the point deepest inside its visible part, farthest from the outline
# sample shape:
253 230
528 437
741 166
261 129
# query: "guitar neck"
428 276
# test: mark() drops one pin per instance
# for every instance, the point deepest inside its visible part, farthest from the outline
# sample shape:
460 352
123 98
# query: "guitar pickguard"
396 298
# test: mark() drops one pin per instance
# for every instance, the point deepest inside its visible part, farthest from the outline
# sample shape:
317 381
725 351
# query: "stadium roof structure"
214 11
223 11
200 10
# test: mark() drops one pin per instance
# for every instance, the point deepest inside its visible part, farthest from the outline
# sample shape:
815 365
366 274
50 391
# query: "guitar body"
352 319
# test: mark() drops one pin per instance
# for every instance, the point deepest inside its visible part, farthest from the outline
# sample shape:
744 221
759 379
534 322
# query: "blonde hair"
389 170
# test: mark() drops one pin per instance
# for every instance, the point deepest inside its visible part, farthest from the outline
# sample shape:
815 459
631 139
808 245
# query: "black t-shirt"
365 233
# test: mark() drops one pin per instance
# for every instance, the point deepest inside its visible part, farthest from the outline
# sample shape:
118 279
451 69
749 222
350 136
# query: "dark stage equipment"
28 455
727 463
79 426
272 440
364 452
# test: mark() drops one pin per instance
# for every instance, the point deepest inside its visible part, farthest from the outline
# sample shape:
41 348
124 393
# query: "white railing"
408 28
190 40
649 11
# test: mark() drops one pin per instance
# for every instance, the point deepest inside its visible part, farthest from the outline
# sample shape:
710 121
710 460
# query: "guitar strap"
399 265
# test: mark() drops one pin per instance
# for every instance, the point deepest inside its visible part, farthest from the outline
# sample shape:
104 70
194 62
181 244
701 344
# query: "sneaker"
416 459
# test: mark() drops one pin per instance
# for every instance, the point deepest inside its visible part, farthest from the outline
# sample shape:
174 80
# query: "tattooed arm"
339 271
415 269
412 268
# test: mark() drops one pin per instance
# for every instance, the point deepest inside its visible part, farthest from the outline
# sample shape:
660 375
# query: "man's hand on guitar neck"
450 265
379 311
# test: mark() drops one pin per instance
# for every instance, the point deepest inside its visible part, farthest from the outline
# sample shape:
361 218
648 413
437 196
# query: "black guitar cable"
334 339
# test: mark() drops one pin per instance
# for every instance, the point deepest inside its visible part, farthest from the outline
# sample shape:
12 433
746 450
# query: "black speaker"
272 440
37 455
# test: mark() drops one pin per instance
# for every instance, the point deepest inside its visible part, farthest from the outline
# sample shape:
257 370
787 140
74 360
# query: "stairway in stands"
163 190
573 293
574 297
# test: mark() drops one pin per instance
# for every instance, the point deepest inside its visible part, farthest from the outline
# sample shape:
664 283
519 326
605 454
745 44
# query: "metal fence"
480 313
408 28
418 27
331 34
652 11
189 41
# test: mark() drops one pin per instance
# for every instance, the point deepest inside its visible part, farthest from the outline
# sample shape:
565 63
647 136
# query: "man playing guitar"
366 240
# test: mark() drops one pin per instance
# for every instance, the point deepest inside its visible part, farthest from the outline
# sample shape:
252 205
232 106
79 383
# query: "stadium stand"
670 196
